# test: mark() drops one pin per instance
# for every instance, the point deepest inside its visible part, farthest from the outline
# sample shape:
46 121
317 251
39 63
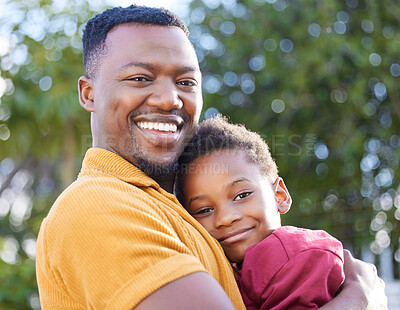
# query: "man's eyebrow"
149 66
137 64
186 69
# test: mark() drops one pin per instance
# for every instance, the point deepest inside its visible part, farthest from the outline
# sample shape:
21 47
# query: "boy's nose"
165 96
227 215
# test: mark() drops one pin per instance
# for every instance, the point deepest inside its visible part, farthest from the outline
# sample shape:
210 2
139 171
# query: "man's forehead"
137 29
144 42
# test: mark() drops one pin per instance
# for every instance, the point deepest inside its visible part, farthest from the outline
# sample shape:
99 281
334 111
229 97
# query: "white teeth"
158 126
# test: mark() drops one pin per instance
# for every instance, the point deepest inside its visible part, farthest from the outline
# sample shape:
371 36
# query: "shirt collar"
113 164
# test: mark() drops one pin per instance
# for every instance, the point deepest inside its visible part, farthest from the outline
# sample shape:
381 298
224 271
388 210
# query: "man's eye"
242 195
138 79
186 83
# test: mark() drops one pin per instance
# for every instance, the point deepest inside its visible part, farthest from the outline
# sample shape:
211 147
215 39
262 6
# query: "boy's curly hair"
217 134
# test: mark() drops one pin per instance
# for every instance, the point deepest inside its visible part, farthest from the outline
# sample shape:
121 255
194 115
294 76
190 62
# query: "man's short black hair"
217 134
97 28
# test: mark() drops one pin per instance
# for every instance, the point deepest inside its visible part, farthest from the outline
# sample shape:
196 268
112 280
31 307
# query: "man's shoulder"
99 189
88 197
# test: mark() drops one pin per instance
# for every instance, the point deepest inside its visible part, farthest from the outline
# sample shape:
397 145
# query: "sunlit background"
319 80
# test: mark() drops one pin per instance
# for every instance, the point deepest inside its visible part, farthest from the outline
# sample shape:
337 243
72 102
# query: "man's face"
146 95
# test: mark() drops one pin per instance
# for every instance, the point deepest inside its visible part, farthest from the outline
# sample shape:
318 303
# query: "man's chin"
157 169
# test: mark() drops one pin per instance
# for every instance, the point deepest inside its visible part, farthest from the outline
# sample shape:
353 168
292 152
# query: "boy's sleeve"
272 279
307 281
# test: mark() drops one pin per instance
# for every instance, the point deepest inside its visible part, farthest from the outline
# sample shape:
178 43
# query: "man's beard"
145 161
156 170
148 165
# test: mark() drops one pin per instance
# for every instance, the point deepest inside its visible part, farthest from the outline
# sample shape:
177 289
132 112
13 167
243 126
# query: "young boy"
229 182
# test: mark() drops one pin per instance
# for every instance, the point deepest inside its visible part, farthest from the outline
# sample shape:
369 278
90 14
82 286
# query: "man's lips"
160 126
161 130
159 119
235 236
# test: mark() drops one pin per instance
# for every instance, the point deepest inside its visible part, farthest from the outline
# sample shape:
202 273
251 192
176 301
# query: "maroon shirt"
293 268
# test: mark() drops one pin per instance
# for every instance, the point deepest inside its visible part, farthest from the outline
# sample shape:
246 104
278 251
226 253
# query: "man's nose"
165 96
227 215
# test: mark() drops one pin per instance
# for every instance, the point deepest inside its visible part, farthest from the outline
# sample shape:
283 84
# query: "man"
117 238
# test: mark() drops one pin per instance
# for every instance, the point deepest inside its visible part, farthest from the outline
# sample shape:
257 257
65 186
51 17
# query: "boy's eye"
242 195
203 211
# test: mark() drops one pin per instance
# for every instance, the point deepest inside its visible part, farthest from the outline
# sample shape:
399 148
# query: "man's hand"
362 289
365 277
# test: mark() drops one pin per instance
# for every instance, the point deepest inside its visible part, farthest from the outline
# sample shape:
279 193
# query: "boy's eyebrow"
242 179
196 198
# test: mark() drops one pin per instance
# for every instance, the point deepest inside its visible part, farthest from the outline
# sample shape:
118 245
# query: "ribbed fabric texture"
115 236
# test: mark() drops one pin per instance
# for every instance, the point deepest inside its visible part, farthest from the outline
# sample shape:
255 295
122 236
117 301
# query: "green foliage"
317 79
43 130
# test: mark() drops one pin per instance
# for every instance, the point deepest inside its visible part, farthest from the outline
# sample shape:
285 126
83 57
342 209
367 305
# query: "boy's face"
232 200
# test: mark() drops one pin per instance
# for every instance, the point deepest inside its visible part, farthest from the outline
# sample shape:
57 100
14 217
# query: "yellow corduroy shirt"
114 236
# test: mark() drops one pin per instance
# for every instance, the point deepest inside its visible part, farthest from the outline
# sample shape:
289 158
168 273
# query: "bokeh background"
319 80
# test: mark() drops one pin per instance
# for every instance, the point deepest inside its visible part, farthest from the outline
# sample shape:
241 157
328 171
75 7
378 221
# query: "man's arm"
362 289
196 291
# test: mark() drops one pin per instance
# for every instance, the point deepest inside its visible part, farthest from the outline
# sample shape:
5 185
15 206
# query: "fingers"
351 266
374 270
354 267
366 280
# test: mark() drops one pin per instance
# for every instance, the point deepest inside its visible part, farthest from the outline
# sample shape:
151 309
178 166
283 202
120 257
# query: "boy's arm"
362 289
197 291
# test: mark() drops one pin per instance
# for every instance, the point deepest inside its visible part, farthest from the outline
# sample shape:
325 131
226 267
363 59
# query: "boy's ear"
85 90
282 195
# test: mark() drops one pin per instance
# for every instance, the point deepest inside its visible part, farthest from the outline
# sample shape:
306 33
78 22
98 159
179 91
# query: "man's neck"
166 182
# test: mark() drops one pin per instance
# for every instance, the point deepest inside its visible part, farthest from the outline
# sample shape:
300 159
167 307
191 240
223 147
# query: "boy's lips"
235 236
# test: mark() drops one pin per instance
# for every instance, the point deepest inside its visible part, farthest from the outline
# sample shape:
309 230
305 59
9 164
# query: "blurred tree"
319 81
43 130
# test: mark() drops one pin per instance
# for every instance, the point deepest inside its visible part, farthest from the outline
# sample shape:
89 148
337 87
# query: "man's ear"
284 201
85 90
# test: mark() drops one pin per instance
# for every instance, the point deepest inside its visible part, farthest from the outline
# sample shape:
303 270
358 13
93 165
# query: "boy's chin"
235 258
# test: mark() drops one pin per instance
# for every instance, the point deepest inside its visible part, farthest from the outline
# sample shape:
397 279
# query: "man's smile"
158 126
161 130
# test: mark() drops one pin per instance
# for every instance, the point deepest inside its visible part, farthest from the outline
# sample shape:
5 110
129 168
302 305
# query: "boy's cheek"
208 226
